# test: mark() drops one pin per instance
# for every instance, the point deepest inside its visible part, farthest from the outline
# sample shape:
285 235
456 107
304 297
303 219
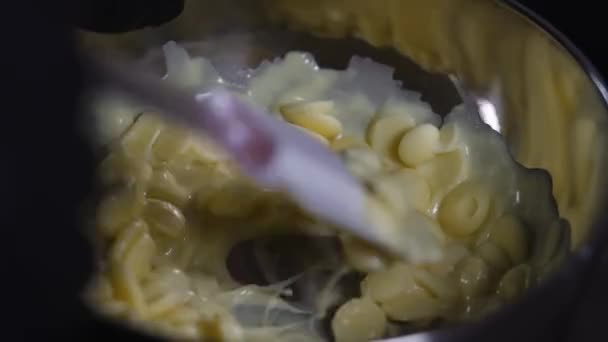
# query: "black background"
40 78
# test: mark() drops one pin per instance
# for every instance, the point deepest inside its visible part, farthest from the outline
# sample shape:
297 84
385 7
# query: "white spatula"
270 151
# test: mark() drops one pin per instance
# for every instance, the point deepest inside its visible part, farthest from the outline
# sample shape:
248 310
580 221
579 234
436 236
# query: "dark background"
45 168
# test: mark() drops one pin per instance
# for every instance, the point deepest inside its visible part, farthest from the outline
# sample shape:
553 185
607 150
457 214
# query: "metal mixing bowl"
535 87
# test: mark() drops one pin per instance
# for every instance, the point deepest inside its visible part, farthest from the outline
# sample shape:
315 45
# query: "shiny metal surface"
539 91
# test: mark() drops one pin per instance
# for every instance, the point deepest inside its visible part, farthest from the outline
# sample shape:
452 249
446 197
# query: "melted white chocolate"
479 229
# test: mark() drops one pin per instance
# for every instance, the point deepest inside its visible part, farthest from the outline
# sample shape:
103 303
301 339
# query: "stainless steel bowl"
539 91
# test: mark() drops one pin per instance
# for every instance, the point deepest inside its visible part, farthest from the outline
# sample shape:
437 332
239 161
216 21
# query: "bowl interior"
547 94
